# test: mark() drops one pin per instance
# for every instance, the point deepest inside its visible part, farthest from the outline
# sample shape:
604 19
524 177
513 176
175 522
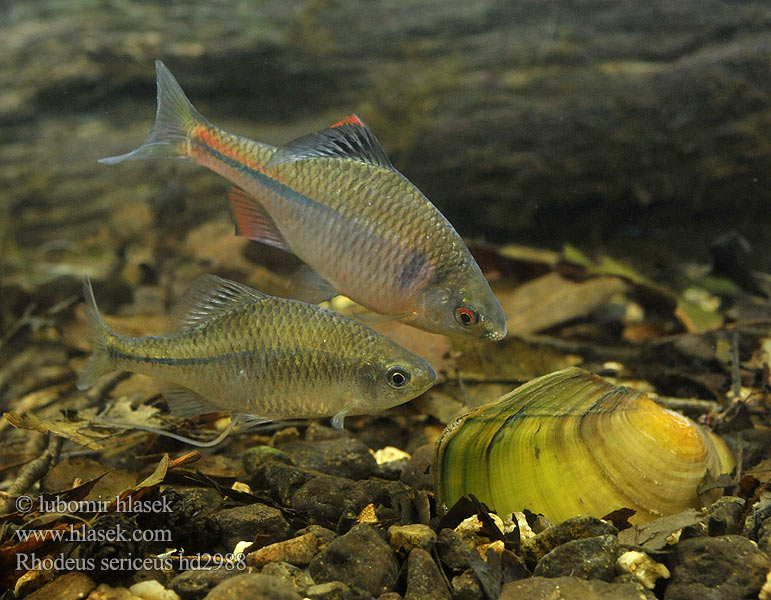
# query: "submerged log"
631 124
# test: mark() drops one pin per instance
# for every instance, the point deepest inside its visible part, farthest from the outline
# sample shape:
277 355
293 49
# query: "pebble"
765 591
417 473
360 558
407 537
575 528
764 536
342 457
424 580
717 568
255 457
70 586
195 584
453 550
642 567
248 522
323 499
724 516
760 512
572 588
299 578
466 586
588 558
106 592
298 550
281 479
391 462
336 590
253 586
152 590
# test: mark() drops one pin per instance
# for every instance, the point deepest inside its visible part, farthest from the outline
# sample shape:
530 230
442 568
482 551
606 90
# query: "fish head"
393 376
462 304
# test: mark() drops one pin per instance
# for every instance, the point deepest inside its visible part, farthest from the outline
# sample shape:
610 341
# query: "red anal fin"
349 120
253 221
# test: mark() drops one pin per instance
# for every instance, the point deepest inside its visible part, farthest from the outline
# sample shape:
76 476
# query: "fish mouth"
496 335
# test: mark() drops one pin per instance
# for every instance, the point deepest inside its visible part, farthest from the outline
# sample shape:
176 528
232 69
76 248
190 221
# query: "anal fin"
253 221
186 403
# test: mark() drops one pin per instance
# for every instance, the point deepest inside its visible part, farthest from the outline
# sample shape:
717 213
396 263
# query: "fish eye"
466 317
397 377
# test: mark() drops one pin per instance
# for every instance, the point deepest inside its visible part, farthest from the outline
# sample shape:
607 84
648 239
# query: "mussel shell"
570 443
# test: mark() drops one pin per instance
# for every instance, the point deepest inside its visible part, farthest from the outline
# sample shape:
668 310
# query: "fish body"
240 350
334 199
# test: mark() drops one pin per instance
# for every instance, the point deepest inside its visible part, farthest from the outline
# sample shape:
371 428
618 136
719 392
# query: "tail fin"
174 118
99 363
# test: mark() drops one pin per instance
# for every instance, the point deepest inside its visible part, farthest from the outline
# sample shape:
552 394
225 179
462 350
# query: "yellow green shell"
570 443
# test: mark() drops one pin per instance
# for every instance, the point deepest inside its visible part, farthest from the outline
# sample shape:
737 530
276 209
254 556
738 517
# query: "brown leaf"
552 299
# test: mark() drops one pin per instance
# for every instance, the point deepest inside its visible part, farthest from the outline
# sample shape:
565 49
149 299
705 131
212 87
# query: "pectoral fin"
253 221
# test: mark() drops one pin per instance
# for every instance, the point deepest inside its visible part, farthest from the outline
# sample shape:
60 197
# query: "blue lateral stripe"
202 360
266 180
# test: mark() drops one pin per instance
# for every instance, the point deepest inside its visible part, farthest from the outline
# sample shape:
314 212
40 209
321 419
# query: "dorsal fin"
349 138
209 296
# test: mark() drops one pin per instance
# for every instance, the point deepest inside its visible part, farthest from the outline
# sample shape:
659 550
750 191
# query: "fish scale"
334 199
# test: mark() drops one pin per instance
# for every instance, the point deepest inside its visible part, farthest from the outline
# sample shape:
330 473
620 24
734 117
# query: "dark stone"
764 536
717 568
759 513
341 457
192 518
281 479
245 523
195 584
393 499
323 498
466 586
453 550
253 458
253 586
572 588
417 473
336 590
589 558
575 528
360 558
298 578
724 516
424 581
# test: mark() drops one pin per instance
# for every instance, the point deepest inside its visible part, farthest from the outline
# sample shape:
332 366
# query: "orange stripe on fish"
211 139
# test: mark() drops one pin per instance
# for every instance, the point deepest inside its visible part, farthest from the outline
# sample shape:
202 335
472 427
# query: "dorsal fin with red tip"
349 139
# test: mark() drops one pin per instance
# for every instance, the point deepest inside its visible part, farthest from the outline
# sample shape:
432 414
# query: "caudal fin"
97 330
174 118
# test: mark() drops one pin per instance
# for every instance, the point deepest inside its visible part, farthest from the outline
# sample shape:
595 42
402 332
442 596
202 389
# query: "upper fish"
241 350
334 199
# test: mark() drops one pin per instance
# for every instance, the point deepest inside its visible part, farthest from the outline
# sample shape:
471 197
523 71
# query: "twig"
31 473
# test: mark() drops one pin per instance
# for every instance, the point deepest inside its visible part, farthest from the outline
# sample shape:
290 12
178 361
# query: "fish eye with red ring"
398 377
466 316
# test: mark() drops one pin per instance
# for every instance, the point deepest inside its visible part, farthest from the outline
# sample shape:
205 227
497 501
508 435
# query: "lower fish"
241 350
